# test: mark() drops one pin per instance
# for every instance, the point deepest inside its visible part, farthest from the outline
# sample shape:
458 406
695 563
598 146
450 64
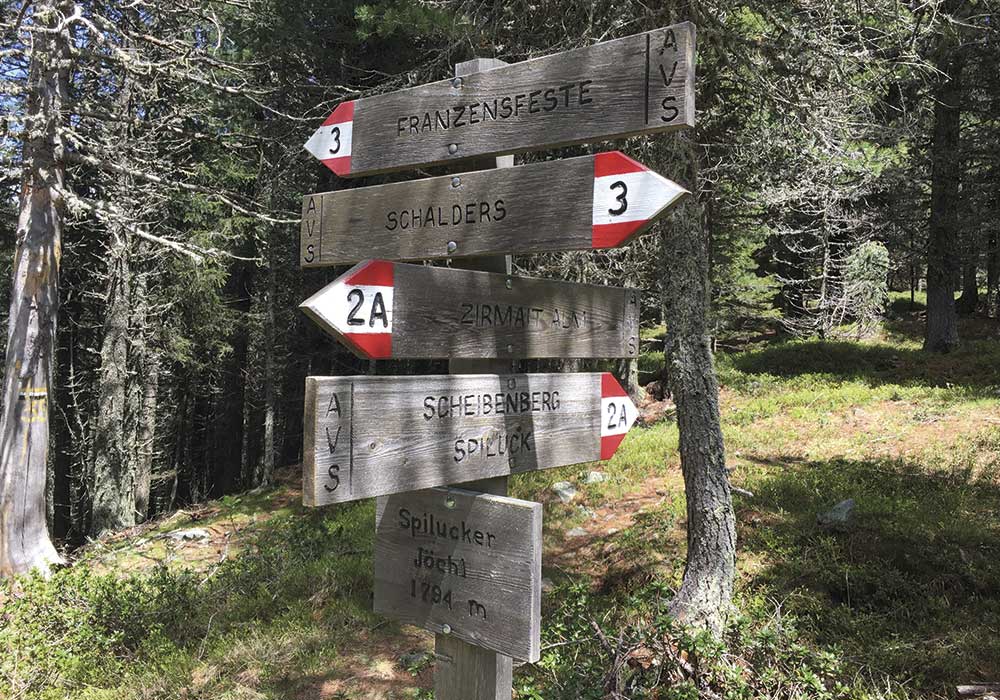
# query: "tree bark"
941 332
969 301
266 472
705 596
113 472
34 302
993 275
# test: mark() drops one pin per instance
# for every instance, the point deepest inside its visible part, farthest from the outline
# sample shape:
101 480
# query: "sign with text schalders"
591 202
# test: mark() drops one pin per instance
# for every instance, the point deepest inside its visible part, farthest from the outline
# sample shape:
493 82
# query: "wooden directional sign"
381 309
640 84
598 201
462 563
371 436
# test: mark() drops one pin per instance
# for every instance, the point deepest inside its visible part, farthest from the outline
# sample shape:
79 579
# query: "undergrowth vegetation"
903 602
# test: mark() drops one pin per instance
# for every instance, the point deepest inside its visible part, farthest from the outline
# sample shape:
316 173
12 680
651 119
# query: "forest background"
842 150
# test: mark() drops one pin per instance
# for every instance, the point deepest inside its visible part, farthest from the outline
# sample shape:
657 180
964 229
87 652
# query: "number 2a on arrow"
367 309
618 417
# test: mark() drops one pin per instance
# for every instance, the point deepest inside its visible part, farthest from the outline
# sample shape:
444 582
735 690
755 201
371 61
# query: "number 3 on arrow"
620 198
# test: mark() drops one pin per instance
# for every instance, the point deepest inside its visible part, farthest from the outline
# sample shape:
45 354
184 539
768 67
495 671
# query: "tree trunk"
992 273
969 301
706 593
941 333
113 474
34 302
146 435
266 473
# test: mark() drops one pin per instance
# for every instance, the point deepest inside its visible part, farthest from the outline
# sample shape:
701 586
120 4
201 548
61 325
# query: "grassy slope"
276 604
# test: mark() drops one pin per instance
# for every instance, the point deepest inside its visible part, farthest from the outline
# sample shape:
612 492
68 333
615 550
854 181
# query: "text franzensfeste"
497 109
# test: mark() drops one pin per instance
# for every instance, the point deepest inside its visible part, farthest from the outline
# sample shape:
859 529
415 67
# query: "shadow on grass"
975 366
912 588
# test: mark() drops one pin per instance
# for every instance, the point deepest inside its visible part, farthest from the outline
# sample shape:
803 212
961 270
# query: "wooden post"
463 671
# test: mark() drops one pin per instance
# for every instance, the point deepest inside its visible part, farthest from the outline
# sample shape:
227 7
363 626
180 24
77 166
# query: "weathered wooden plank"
463 671
635 85
370 436
596 201
381 309
465 564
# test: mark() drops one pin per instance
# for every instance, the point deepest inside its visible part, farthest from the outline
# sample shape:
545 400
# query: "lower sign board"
382 309
597 201
462 563
372 436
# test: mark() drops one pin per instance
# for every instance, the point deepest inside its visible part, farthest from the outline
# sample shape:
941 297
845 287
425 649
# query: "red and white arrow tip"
628 197
618 414
331 142
356 309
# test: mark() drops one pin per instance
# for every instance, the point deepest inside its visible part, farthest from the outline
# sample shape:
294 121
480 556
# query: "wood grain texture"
468 561
639 84
454 313
463 671
528 209
442 312
371 436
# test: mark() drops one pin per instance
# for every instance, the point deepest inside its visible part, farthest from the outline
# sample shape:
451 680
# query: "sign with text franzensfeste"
382 309
598 201
462 563
371 436
635 85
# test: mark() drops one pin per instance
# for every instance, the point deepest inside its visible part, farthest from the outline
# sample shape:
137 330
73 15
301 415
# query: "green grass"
905 603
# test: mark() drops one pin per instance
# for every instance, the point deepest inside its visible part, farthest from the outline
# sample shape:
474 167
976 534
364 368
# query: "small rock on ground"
595 478
577 532
194 533
565 490
837 518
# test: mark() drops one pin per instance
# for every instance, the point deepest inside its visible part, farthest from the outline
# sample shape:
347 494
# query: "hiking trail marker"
372 436
462 563
537 208
466 563
381 309
640 84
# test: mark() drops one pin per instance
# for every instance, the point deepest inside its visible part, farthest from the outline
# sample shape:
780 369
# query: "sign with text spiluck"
462 563
381 309
371 436
635 85
598 201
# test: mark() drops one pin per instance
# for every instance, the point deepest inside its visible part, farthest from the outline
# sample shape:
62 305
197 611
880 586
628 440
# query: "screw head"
456 82
456 181
509 283
371 445
446 629
510 348
449 502
452 246
452 148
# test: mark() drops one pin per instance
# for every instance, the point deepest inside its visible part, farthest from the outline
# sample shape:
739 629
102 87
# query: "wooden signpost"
464 564
371 436
598 201
637 85
381 309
